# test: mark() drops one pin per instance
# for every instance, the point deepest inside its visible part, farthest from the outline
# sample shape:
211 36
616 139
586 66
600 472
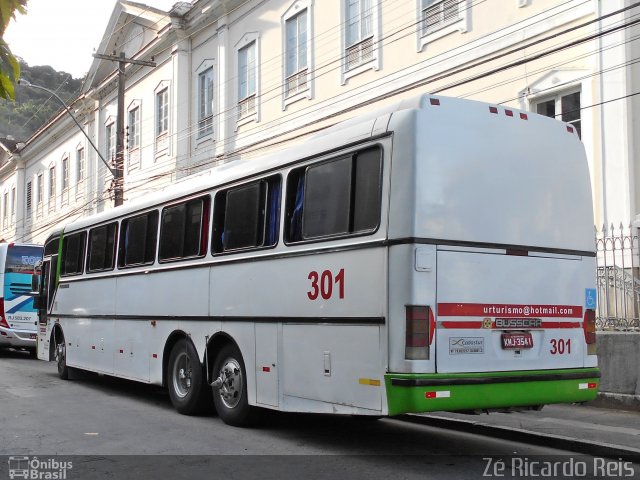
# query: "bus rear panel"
492 270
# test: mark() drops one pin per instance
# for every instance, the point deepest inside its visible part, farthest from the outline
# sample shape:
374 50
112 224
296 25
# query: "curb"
616 401
598 449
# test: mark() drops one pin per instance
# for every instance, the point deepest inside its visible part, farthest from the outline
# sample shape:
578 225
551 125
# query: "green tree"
9 65
31 108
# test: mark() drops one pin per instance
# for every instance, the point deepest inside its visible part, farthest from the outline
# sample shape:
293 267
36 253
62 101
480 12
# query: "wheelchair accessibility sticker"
590 296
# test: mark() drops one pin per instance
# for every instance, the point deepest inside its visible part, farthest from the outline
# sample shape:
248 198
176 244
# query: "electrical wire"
470 79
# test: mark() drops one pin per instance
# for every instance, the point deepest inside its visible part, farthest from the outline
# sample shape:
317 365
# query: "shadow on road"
16 353
350 435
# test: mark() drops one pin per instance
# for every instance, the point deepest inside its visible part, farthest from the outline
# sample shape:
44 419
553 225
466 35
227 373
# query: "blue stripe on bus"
19 306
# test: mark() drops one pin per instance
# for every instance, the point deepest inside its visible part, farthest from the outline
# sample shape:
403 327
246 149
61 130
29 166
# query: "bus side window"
247 216
138 237
338 197
295 187
183 232
102 244
73 254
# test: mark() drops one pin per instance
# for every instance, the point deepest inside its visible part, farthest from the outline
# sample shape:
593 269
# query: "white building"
238 78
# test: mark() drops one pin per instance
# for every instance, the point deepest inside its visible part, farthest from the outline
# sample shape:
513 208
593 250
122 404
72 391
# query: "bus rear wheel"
230 390
186 379
61 357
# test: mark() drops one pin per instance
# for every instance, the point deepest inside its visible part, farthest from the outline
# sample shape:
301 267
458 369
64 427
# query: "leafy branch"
9 65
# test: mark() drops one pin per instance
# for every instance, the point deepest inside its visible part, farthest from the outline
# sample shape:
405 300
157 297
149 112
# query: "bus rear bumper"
419 393
10 337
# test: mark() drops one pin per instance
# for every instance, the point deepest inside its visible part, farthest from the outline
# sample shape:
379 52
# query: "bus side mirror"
35 283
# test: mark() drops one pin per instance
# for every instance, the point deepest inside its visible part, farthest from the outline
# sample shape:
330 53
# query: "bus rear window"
22 259
334 198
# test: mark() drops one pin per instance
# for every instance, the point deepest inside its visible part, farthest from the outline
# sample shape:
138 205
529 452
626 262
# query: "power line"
486 74
187 131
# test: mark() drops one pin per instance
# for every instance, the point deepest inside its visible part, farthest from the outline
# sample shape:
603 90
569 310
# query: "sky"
64 33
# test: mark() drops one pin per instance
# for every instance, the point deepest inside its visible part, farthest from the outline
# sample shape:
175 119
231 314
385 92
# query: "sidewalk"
584 429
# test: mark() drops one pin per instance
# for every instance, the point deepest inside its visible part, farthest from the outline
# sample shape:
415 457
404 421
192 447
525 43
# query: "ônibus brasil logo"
37 469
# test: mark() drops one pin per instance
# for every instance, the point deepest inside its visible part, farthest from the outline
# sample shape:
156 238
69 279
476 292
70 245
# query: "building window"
296 68
133 135
247 80
438 13
65 173
134 128
437 18
162 112
80 165
29 202
110 137
52 187
13 205
40 188
359 33
205 102
565 107
65 178
5 212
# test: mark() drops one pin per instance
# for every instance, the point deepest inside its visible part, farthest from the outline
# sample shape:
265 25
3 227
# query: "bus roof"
350 131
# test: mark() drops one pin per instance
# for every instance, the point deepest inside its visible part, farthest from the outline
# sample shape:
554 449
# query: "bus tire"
61 357
186 379
231 399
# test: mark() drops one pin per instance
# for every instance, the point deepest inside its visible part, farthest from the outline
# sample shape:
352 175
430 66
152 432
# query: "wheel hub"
182 375
230 389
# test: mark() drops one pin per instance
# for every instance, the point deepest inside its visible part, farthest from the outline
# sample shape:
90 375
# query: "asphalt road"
111 428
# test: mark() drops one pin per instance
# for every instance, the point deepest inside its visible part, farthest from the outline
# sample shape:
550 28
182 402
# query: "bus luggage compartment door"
500 312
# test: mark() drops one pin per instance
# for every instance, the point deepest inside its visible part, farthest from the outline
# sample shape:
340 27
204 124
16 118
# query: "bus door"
47 293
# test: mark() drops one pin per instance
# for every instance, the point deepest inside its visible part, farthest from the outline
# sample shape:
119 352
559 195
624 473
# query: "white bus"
436 255
18 318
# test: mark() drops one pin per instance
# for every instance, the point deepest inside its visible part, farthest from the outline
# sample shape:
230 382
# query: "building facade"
238 78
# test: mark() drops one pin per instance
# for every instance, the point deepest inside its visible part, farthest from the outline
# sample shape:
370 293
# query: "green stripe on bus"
420 399
59 262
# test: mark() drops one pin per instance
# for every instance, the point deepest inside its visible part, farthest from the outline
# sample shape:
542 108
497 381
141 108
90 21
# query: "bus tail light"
420 328
3 320
589 327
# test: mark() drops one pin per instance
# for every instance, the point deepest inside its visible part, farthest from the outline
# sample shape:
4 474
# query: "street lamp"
26 83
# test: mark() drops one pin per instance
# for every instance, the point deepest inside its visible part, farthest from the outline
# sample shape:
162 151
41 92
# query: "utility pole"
118 180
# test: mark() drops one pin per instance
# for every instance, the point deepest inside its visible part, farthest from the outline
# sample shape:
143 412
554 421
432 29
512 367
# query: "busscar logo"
37 469
518 323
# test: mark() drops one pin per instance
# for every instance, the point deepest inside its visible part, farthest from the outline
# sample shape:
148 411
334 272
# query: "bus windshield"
22 259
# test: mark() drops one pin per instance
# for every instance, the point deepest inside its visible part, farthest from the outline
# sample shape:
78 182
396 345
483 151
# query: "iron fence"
618 278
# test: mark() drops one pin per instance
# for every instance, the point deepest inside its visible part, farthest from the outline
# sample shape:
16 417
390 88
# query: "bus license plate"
516 341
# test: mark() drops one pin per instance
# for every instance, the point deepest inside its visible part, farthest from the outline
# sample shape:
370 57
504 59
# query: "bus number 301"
322 284
560 347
